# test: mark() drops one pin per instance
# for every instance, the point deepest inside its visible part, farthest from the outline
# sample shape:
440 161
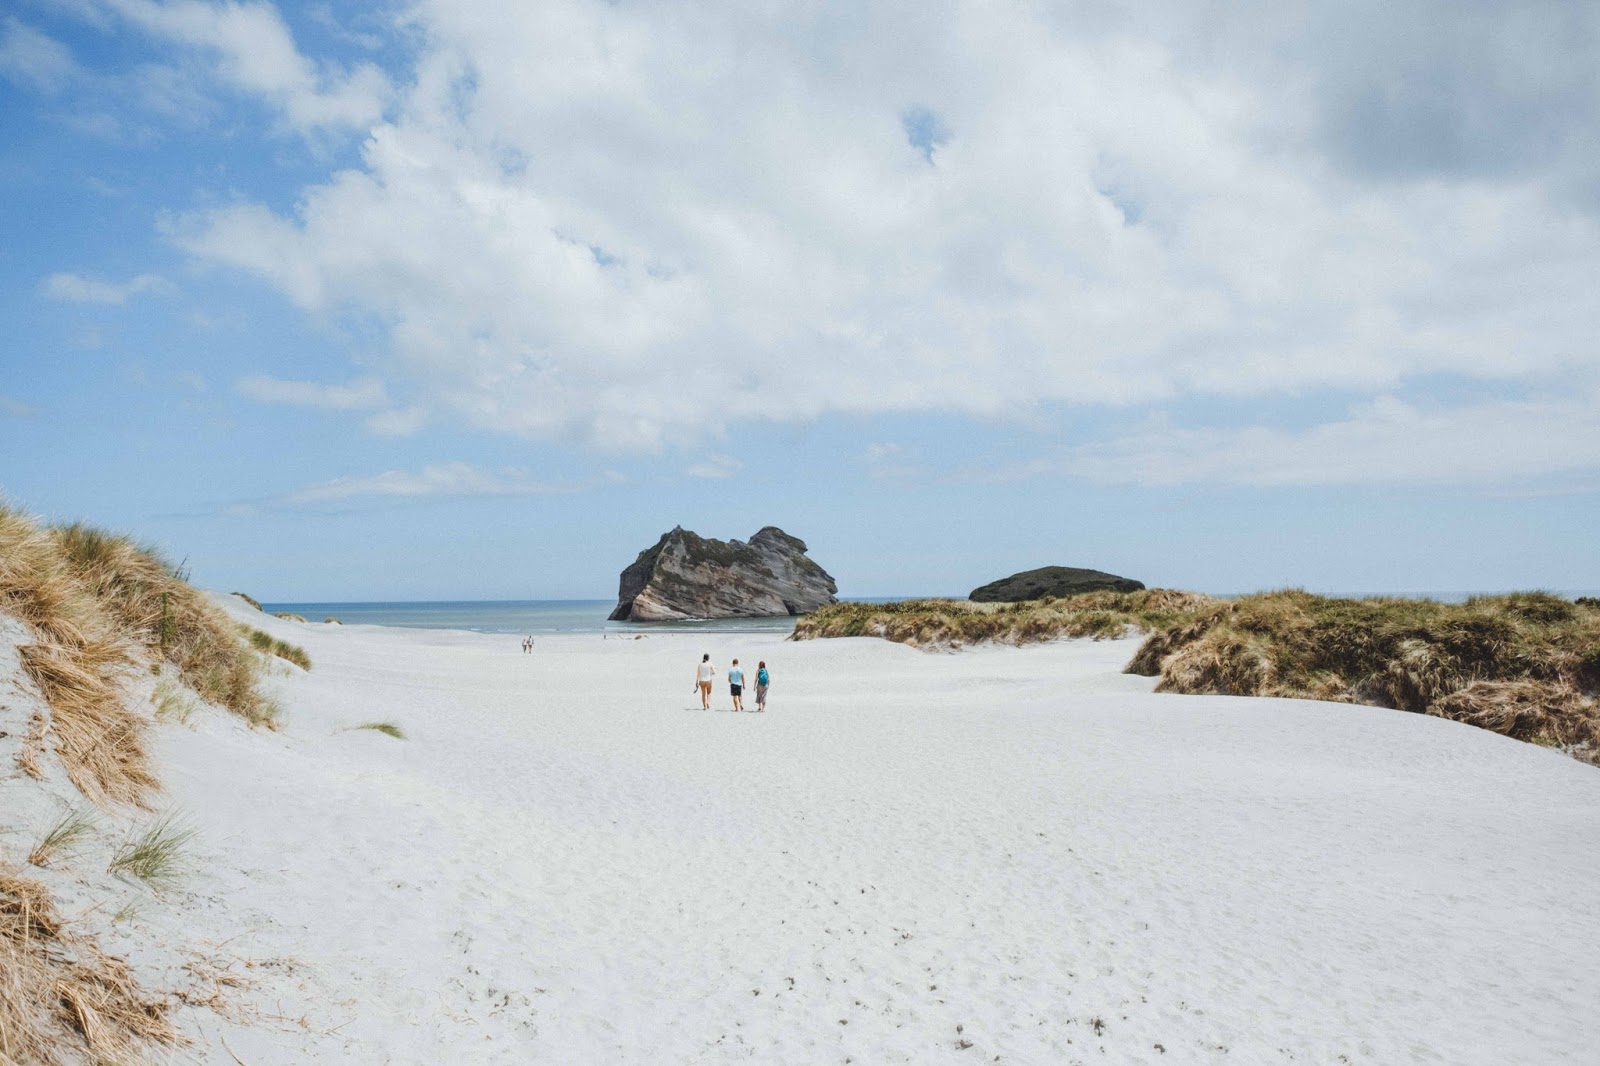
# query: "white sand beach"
996 855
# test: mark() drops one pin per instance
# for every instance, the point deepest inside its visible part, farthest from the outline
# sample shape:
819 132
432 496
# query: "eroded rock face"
685 575
1052 581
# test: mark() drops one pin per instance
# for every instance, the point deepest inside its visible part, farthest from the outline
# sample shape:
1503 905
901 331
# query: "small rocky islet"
1055 581
687 576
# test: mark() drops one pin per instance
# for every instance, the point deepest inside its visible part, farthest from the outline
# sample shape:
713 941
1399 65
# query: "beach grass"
270 645
155 856
62 838
99 604
1526 664
388 729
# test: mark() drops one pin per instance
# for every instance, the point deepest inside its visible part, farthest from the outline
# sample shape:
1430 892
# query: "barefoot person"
702 679
736 685
763 679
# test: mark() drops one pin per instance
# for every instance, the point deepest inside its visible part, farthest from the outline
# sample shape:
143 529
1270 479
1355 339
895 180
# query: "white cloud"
255 53
442 479
360 395
715 468
34 59
78 289
637 224
1384 442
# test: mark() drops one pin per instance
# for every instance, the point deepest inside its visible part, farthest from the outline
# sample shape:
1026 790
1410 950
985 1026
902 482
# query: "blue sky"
441 300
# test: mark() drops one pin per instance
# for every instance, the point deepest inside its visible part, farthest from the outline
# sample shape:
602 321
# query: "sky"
454 299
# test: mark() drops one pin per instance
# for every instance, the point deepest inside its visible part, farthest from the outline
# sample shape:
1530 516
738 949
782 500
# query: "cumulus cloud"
635 224
361 395
1386 442
78 289
441 479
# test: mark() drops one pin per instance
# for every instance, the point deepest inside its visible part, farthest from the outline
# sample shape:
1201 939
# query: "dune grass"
155 856
267 644
98 605
62 838
61 999
1526 664
388 729
954 623
251 600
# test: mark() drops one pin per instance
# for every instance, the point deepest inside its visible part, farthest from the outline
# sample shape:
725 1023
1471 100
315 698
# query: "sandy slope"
997 855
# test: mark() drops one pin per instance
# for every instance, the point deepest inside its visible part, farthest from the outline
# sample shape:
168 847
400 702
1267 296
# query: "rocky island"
1052 581
685 575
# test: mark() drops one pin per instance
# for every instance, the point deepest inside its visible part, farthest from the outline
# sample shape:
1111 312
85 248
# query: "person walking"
763 679
736 685
702 680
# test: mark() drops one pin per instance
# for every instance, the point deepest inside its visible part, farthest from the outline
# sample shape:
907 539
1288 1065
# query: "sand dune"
1005 855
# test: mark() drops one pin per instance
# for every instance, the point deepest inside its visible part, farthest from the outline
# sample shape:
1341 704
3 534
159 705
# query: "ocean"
514 616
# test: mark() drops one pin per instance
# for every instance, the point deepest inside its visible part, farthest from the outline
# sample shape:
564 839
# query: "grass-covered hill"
1523 664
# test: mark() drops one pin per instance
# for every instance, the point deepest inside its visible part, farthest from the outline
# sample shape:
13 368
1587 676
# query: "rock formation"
1052 581
685 575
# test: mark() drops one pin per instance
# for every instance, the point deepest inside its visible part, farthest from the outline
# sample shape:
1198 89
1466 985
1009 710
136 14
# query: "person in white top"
702 680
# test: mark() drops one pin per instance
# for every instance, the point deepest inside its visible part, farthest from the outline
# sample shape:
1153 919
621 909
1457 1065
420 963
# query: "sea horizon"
589 615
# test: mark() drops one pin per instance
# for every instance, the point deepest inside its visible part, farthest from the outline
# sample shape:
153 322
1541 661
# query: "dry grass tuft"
62 838
1542 712
61 999
251 600
100 741
953 623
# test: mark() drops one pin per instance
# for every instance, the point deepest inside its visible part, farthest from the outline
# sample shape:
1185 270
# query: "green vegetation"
156 856
953 623
62 838
388 729
1524 664
270 645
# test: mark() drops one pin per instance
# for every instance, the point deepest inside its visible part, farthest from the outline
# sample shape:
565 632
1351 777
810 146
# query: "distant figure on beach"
702 680
527 645
763 679
736 685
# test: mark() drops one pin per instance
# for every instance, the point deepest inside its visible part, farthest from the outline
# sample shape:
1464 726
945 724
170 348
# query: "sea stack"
684 575
1052 581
